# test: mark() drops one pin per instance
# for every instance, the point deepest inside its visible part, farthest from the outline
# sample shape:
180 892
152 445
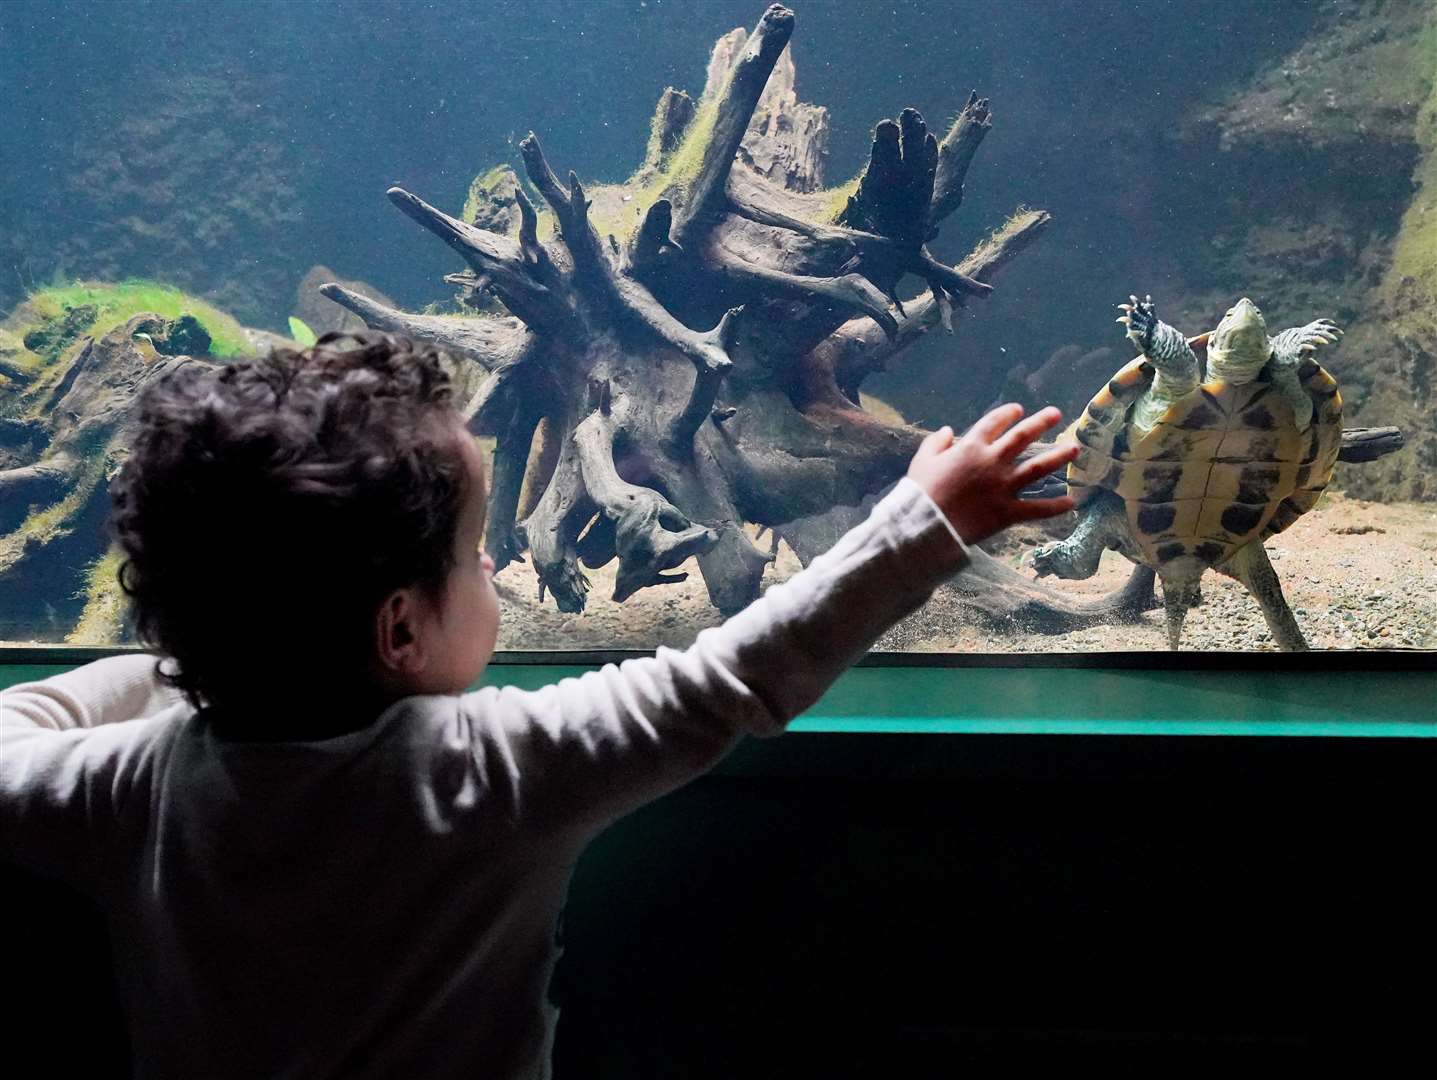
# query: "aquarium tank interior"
707 273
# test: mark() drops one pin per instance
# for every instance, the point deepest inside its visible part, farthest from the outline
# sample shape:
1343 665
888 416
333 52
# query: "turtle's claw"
1043 560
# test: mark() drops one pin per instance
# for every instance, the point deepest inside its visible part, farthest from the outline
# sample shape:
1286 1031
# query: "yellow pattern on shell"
1222 467
1102 422
1325 444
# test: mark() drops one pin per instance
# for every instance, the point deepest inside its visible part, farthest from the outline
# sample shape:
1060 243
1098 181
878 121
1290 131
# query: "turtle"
1189 464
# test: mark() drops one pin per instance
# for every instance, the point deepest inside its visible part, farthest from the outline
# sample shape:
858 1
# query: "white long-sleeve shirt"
384 903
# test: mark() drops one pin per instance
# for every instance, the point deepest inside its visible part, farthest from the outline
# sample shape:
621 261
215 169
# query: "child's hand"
975 480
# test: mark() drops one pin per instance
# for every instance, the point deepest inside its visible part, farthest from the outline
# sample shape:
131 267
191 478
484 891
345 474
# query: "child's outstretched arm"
66 760
575 755
107 691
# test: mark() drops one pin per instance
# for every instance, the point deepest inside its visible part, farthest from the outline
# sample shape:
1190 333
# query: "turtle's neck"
1232 367
1167 387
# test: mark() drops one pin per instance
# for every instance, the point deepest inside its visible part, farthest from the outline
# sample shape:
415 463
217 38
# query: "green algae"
106 606
51 338
835 200
115 304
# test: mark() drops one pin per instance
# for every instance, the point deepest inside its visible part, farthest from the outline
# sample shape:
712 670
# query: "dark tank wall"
947 873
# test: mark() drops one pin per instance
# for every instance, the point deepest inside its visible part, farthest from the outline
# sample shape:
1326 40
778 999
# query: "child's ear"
396 641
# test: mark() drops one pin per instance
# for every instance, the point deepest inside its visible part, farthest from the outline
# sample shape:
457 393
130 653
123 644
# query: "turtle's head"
1240 344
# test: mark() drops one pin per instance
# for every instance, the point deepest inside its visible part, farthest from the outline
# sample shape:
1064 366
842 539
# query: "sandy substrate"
1357 575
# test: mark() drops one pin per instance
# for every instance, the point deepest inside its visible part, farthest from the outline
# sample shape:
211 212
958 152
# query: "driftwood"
74 435
694 340
1369 444
692 343
87 413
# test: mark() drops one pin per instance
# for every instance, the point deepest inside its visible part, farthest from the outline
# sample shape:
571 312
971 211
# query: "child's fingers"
1042 464
1028 509
1020 436
996 421
934 443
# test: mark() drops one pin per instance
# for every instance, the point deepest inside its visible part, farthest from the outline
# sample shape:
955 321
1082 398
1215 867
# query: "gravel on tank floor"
1357 574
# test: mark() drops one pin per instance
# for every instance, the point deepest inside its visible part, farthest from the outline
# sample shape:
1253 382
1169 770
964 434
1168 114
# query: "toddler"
318 853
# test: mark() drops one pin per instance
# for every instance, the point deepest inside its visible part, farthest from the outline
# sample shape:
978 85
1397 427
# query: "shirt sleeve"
70 757
107 691
586 750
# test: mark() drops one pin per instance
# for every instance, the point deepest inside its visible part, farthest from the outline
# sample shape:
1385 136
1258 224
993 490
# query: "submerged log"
693 341
1369 444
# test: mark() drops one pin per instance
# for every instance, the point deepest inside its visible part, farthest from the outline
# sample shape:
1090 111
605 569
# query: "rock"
55 479
263 341
1357 530
174 173
53 336
491 203
10 345
179 337
12 349
323 315
1324 96
1341 113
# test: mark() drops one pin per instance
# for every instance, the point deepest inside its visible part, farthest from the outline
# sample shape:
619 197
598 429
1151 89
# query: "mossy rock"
491 203
52 337
11 347
16 361
112 304
184 336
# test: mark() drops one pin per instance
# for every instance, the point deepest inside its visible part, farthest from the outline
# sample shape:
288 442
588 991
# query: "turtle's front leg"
1291 345
1102 524
1251 566
1288 350
1167 350
1140 317
1164 345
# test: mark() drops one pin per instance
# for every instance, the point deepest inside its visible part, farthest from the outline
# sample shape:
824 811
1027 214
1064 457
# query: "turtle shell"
1224 466
1320 454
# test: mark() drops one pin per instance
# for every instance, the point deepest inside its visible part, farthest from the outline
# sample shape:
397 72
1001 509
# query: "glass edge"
1374 660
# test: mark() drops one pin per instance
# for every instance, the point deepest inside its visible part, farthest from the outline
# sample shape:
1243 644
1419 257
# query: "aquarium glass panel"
703 275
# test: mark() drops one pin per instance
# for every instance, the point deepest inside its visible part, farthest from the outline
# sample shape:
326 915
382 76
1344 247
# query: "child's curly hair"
268 507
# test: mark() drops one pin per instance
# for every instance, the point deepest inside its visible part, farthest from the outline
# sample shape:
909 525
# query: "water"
1199 153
